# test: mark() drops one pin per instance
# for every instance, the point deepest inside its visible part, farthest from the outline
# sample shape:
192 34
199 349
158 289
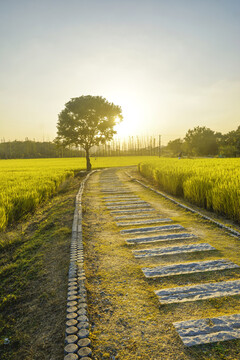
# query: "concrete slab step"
172 250
125 202
132 211
198 292
152 239
143 222
152 229
189 268
134 216
209 330
130 206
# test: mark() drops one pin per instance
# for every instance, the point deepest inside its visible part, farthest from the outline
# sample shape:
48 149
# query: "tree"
231 144
87 121
175 146
202 141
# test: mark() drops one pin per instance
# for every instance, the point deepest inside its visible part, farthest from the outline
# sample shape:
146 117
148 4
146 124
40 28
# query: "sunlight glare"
132 120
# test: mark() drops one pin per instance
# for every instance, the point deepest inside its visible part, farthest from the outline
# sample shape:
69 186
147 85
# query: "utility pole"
159 145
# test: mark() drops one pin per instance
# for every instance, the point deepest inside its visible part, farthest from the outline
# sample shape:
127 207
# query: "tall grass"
213 184
25 184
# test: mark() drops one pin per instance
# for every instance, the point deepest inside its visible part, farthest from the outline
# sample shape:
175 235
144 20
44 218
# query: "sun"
132 120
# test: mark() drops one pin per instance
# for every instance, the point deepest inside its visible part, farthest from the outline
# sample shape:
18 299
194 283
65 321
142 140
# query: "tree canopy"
201 141
87 121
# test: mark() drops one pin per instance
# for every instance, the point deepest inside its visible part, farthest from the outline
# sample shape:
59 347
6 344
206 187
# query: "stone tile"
209 330
116 191
172 250
189 268
130 206
127 202
151 239
119 197
198 292
152 229
133 211
143 222
133 216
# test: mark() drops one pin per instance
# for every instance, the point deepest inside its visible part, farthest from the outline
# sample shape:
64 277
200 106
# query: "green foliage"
175 146
87 121
213 184
201 141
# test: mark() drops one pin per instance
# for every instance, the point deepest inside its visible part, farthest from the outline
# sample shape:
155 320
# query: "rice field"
25 184
213 184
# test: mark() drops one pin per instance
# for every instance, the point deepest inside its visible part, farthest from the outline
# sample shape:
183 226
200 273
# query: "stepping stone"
198 292
151 239
189 268
204 331
115 188
118 197
110 181
132 217
153 229
129 202
172 250
131 206
143 222
132 211
116 191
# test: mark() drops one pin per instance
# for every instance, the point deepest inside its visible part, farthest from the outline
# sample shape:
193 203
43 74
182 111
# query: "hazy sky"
170 64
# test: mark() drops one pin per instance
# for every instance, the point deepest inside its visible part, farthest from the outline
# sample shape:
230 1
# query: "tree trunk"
89 166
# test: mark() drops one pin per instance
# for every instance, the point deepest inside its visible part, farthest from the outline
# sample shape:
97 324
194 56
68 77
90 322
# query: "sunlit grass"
213 184
25 184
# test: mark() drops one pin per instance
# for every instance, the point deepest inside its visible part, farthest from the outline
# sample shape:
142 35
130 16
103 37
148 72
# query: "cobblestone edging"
77 342
232 231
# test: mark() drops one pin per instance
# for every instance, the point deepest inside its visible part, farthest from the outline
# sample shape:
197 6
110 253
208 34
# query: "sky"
170 64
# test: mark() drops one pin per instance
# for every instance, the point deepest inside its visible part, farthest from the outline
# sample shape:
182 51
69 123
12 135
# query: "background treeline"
32 149
132 146
202 141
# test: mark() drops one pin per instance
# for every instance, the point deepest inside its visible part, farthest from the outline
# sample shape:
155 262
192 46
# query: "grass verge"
34 260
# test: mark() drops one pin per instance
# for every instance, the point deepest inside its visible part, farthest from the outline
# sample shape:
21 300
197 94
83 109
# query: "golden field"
213 184
25 184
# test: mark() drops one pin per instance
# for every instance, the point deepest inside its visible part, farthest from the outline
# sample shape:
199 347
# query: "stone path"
172 250
128 209
152 239
153 229
189 268
128 206
132 211
198 292
142 222
205 331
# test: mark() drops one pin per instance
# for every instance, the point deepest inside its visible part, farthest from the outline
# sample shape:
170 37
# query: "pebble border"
77 342
227 228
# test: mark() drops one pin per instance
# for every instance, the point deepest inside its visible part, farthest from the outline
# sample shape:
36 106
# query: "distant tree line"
131 146
202 141
29 149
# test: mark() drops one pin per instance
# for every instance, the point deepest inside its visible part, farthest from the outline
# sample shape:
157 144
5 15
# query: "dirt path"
128 320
